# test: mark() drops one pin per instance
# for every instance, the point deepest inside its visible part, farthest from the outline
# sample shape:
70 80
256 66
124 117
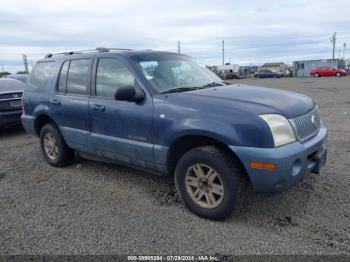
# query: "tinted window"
78 76
39 76
62 80
111 75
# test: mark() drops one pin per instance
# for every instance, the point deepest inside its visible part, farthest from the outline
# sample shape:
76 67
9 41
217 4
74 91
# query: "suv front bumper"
294 161
10 118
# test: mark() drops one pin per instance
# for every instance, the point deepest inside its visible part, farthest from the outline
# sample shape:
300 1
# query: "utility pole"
223 52
25 62
344 45
178 47
2 67
333 41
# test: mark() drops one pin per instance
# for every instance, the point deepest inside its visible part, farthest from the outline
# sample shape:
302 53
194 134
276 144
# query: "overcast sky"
254 31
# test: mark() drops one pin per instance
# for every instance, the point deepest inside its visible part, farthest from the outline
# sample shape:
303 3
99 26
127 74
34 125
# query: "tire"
231 177
338 74
51 138
317 75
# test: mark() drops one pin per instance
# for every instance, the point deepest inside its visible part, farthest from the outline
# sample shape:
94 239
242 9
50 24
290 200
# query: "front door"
120 130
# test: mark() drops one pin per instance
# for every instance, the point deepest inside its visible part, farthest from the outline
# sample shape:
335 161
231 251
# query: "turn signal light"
263 165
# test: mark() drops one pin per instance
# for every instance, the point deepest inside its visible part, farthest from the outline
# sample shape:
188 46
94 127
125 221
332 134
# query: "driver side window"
112 74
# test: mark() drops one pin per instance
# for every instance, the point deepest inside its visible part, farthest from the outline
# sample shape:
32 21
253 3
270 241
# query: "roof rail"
98 49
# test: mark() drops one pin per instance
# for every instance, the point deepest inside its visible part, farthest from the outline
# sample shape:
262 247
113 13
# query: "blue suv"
164 113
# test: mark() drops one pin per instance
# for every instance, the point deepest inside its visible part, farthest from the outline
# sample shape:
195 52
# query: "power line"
223 52
25 62
344 45
333 41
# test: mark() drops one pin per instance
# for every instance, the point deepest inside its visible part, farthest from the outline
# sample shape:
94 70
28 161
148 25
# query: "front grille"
10 105
11 95
307 125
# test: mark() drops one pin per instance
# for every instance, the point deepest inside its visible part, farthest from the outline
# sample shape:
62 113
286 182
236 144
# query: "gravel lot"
95 208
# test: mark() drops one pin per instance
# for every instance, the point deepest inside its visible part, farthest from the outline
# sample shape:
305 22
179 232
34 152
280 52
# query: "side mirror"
129 93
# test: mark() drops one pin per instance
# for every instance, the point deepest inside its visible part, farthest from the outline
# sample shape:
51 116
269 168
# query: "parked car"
11 91
163 113
267 73
328 71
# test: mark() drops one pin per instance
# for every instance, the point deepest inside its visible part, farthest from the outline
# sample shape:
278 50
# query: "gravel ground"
95 208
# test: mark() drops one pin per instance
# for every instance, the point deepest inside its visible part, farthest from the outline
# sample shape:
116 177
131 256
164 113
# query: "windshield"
171 72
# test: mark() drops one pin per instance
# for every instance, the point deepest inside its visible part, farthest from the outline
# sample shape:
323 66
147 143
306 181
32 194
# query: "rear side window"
62 80
40 76
77 79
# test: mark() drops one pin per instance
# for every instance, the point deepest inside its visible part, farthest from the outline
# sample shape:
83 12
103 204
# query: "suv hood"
11 86
257 100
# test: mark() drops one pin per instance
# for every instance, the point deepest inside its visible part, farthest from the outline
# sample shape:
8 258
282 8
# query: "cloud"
254 31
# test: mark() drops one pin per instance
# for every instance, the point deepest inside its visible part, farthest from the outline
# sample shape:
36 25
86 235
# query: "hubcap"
50 145
204 186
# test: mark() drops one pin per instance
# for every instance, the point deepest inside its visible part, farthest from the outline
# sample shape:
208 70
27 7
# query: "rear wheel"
54 148
210 182
338 74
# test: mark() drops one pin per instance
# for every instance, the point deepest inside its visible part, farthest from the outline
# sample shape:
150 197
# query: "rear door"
71 102
120 130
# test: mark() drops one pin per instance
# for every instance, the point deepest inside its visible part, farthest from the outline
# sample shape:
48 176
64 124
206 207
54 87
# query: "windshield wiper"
190 88
180 89
216 83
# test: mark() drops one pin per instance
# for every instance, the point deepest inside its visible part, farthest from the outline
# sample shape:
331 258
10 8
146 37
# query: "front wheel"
210 182
338 74
317 75
53 146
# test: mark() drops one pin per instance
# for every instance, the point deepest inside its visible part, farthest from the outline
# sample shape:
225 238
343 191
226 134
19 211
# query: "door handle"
55 101
97 107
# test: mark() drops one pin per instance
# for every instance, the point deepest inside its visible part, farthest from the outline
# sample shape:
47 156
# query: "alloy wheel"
50 145
204 186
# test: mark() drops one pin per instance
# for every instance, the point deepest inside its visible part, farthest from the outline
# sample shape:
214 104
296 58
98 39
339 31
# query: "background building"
302 68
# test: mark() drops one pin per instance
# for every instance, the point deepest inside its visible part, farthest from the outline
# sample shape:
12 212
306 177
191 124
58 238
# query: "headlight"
281 129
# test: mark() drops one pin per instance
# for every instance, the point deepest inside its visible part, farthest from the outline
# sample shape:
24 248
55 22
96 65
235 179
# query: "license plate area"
15 104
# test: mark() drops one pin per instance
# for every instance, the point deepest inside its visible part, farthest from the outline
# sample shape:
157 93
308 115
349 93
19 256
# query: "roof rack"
98 49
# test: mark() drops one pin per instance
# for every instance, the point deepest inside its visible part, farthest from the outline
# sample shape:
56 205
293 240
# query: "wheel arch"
184 143
41 120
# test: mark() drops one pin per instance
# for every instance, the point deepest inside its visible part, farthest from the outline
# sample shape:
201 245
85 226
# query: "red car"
328 71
